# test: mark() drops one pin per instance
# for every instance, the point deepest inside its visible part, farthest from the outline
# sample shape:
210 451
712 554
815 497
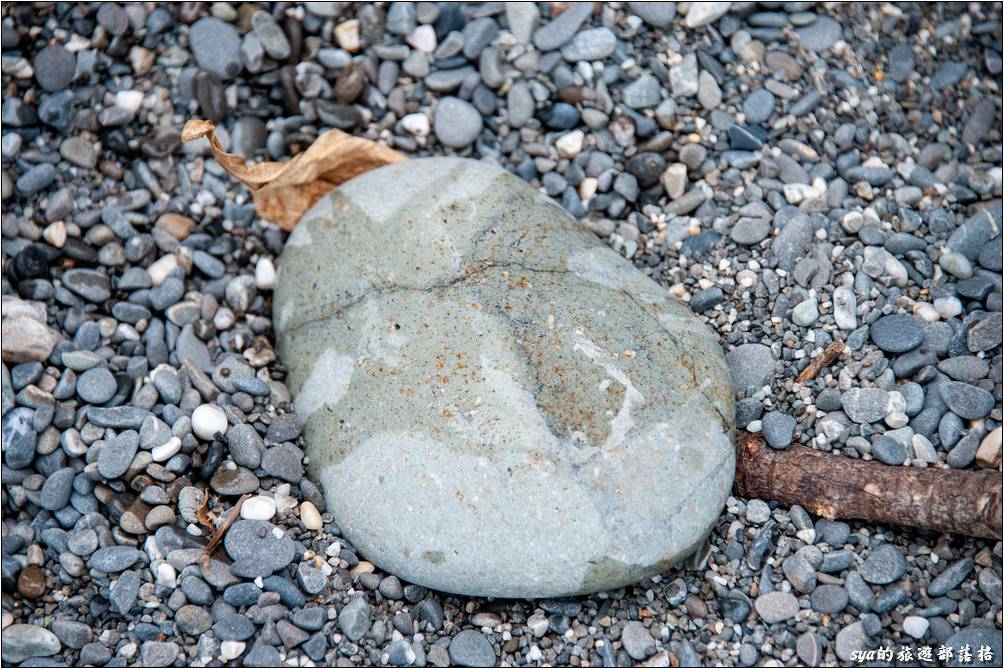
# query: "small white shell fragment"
259 507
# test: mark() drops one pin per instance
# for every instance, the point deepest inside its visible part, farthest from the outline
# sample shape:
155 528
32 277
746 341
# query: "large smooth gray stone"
495 402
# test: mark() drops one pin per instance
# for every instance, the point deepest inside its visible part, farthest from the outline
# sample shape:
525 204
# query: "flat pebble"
885 565
775 607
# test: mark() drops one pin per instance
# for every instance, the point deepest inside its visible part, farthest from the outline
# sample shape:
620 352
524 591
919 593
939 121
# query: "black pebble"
212 460
31 262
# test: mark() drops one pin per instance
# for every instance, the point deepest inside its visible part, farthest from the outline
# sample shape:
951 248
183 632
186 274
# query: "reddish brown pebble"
31 582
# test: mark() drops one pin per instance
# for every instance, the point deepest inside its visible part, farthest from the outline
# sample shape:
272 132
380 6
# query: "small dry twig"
824 359
214 541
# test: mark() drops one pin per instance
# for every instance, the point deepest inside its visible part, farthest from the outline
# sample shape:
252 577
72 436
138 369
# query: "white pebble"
894 401
284 503
923 450
423 38
310 517
795 193
537 624
569 145
347 35
231 650
259 507
896 419
915 626
852 222
746 278
845 306
129 100
927 312
224 318
416 124
152 549
167 577
264 274
808 535
55 234
167 450
896 271
948 307
207 420
160 268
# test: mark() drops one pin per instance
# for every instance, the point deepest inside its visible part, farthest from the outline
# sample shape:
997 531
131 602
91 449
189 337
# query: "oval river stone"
495 402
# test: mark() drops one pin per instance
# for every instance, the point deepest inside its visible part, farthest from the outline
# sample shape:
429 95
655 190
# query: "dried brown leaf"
284 191
206 517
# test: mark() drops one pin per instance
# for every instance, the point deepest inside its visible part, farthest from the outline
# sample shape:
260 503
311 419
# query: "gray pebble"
950 578
96 386
216 47
158 653
775 607
778 429
828 598
637 641
254 541
284 461
353 619
54 67
456 123
865 405
968 401
897 333
759 106
561 29
56 491
888 451
885 565
124 590
752 366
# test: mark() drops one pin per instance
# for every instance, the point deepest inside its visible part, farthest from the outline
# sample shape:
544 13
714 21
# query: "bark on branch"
832 486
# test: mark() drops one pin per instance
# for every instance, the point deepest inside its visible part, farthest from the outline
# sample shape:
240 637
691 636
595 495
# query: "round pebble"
96 385
208 420
456 123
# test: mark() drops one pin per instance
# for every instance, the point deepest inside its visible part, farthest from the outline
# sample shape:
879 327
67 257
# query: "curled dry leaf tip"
282 192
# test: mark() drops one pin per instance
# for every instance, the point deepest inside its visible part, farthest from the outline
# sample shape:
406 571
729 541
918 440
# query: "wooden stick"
832 486
824 359
207 552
